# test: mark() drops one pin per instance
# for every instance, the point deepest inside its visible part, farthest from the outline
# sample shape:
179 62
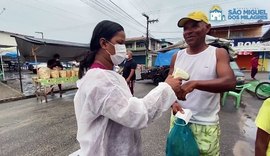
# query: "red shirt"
254 62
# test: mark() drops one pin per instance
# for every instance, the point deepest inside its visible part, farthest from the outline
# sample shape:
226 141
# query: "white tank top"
202 66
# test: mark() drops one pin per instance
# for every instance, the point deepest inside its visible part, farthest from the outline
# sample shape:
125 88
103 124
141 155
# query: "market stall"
47 79
41 50
260 49
6 52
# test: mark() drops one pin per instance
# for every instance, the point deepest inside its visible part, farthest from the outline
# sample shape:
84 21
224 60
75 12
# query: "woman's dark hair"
104 29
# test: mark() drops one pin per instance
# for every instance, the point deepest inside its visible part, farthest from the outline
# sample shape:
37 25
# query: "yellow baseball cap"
196 16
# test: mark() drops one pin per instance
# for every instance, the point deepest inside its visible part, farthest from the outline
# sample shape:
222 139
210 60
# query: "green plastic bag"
180 140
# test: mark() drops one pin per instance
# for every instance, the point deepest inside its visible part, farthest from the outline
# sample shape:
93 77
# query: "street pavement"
8 93
28 127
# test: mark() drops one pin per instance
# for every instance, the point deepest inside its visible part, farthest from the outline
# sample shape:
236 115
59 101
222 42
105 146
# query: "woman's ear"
103 43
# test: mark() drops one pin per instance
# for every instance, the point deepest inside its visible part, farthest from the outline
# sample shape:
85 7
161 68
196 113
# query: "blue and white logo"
215 14
247 14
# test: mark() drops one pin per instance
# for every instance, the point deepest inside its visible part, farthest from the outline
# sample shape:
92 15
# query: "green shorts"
206 136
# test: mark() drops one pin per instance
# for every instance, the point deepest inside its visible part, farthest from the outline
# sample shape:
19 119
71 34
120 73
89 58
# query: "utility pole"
147 36
39 32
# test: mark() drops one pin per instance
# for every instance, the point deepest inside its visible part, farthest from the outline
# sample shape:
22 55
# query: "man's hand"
185 89
176 107
175 83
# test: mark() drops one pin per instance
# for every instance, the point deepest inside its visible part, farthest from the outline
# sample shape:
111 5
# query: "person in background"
254 66
55 63
129 71
109 118
210 74
262 143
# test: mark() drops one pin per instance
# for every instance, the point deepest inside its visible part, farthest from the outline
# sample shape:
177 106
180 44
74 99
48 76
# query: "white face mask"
120 53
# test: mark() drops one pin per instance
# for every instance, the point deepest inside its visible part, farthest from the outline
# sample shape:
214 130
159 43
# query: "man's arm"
262 141
172 64
49 64
225 77
58 64
132 71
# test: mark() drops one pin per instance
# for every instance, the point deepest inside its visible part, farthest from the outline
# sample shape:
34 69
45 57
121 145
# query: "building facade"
6 40
244 35
138 47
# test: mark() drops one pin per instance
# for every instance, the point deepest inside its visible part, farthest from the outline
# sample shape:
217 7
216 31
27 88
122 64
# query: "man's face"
195 32
129 55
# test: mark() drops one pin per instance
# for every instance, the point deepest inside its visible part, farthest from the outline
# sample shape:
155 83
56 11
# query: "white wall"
5 39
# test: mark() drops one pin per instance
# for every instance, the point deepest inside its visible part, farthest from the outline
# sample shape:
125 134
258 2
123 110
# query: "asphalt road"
30 128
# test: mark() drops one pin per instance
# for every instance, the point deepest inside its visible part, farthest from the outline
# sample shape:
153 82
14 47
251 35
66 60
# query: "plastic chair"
237 95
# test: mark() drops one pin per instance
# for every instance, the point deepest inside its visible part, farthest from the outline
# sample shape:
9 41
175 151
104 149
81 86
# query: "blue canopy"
11 54
164 59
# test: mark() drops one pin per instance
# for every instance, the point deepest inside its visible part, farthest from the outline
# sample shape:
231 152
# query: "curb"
26 97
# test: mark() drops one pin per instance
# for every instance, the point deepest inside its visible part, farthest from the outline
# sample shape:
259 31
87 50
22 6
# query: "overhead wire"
131 2
120 19
101 8
116 11
42 9
127 13
170 9
61 10
143 5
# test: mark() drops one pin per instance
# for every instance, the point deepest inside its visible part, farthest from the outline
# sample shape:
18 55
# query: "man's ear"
103 43
208 27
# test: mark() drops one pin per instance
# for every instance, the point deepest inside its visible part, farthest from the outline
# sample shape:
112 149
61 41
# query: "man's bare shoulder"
221 52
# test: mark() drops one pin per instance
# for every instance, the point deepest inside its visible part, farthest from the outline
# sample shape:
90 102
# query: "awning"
244 53
44 49
209 40
254 48
214 41
266 36
164 59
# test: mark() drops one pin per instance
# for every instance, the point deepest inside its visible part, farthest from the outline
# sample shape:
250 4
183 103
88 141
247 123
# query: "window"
129 45
140 44
236 34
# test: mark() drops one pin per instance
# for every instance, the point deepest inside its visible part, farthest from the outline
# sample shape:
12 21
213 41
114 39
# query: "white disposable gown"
109 119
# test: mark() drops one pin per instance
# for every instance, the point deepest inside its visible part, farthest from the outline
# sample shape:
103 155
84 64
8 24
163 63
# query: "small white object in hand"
179 73
186 116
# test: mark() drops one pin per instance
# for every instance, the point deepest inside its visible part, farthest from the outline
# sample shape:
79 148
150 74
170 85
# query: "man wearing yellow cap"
210 74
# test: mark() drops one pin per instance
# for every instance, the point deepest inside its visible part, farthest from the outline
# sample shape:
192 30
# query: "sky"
74 20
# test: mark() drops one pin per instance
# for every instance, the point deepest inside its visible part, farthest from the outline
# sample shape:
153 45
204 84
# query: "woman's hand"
175 83
176 107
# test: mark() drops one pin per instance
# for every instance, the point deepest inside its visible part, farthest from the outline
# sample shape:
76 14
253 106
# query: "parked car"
159 74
